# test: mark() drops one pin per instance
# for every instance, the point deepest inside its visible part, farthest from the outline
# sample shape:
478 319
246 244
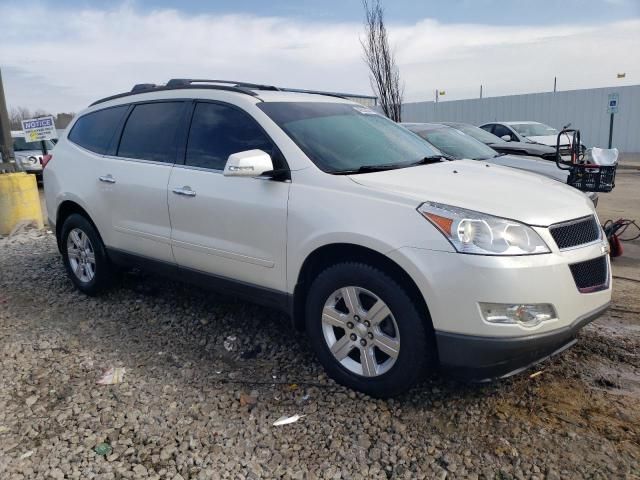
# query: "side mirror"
506 138
250 163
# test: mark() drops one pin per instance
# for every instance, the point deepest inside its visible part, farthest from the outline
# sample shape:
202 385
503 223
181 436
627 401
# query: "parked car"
29 154
533 132
393 261
459 145
502 146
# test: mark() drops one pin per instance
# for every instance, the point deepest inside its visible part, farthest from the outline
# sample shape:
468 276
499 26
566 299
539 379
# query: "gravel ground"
207 376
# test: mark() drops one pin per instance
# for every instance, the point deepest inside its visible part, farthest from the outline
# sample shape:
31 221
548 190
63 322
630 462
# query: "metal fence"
585 109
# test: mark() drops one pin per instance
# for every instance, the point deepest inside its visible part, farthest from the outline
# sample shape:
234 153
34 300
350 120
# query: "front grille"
591 275
575 232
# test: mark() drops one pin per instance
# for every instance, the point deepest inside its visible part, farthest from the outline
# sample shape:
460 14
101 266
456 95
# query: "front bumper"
453 284
488 358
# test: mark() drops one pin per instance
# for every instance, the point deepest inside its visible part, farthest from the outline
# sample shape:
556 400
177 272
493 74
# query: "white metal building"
585 109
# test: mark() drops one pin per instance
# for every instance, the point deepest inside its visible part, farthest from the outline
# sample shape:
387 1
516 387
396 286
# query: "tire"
405 334
91 274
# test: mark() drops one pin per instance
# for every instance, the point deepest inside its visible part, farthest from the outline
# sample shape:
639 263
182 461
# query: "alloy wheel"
81 255
360 331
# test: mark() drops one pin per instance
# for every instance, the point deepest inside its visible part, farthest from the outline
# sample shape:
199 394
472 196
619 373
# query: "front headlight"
482 234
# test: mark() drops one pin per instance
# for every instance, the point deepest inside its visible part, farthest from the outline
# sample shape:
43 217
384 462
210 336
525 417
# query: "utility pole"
613 102
555 84
480 90
436 95
6 144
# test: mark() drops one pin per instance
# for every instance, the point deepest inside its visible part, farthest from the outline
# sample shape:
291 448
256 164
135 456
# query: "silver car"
29 154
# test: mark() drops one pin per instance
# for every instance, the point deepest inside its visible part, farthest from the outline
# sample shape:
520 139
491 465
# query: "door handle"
186 191
107 179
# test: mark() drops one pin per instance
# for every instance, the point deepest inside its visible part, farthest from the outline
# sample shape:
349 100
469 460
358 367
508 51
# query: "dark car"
458 145
511 147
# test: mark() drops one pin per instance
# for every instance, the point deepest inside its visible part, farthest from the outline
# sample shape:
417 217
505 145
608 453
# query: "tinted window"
95 130
341 137
150 132
21 145
476 132
500 130
217 131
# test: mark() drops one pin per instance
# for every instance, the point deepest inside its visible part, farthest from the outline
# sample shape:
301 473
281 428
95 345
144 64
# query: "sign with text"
39 129
612 103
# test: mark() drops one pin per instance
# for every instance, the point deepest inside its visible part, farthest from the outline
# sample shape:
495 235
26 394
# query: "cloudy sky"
60 55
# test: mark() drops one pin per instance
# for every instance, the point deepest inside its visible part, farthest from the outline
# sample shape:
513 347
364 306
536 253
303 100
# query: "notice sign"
612 103
39 129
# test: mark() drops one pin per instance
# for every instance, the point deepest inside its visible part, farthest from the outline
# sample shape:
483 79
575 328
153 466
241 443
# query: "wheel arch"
334 253
66 209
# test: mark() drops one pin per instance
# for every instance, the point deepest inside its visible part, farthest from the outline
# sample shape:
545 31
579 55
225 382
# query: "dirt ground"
207 376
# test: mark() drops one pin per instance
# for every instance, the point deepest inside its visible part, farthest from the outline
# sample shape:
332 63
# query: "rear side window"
217 131
150 132
95 130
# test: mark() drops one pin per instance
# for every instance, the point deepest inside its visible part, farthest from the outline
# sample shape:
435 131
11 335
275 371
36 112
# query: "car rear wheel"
366 331
84 255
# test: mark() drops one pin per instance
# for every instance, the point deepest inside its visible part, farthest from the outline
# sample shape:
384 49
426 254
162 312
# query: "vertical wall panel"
585 109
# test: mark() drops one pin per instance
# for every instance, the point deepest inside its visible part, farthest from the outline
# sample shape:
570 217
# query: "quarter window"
218 131
150 132
95 130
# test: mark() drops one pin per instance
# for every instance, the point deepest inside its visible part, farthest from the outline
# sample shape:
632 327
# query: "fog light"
527 315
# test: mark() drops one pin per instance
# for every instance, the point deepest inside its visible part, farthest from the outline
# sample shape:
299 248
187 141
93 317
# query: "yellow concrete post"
19 201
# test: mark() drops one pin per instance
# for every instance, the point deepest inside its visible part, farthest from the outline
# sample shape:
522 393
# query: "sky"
61 55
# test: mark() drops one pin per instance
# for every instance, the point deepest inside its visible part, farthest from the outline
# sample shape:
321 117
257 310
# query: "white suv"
394 260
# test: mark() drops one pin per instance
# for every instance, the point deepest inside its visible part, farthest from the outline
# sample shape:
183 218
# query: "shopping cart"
588 177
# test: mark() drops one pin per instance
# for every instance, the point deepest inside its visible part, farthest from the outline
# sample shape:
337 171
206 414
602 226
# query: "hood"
551 139
492 189
531 164
531 148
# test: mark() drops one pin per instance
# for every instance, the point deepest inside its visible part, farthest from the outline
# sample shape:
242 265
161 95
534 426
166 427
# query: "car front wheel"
366 331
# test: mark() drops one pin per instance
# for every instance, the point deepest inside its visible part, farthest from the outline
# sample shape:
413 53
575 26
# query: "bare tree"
383 71
23 113
17 115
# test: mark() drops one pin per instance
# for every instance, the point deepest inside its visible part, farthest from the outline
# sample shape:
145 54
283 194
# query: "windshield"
533 129
478 133
457 144
345 137
20 145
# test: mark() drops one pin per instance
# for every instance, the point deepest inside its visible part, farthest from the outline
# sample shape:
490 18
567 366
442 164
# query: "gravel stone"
191 356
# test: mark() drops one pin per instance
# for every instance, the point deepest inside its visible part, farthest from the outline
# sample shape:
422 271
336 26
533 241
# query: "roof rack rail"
140 87
175 84
183 82
315 92
228 85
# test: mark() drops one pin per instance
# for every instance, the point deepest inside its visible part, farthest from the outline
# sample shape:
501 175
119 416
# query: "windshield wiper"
432 159
392 166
